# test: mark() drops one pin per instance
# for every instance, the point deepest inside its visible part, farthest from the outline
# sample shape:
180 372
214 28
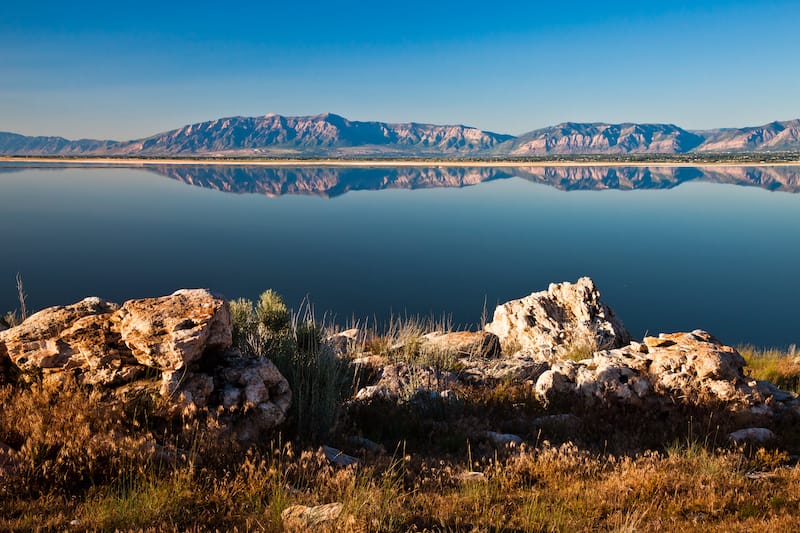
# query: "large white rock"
566 318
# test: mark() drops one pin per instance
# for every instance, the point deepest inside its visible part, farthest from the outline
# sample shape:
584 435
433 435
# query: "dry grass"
781 367
84 463
547 488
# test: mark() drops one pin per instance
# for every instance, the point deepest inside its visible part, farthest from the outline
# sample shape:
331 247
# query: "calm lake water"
670 248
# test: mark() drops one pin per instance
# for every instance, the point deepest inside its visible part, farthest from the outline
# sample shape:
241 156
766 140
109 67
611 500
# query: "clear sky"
129 69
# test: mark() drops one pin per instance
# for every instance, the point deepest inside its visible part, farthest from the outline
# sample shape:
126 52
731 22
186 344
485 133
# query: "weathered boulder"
173 331
183 340
694 368
566 318
77 337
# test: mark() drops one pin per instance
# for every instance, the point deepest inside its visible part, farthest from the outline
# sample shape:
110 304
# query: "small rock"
502 440
340 342
752 435
338 457
368 445
299 518
351 334
638 347
520 367
471 476
449 396
370 361
565 422
770 390
688 368
761 475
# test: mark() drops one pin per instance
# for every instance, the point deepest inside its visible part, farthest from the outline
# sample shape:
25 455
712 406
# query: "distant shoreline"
142 162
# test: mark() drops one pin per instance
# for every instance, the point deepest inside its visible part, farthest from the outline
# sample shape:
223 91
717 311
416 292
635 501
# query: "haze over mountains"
331 135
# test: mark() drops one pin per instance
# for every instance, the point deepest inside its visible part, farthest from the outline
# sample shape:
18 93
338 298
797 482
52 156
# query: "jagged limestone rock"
565 319
694 368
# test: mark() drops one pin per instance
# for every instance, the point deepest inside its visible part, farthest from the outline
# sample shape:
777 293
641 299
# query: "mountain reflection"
330 181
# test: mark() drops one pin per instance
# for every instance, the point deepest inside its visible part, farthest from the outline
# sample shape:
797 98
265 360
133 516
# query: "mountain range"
330 135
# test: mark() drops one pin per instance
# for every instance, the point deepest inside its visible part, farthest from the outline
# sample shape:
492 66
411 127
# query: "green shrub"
272 312
318 379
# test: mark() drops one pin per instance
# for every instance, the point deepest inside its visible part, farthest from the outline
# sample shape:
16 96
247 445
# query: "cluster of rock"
695 367
564 342
573 350
177 347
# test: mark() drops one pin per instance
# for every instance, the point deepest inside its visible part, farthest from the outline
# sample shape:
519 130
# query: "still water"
670 248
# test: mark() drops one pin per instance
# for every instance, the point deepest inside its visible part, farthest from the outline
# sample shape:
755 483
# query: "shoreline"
138 162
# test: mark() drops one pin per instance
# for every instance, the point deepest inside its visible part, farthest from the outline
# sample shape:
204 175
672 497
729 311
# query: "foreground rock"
680 368
174 331
568 317
183 339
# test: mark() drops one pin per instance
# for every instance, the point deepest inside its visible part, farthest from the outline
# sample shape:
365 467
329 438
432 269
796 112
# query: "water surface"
670 248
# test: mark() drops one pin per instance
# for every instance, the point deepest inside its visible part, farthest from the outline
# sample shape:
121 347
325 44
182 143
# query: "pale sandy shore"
136 162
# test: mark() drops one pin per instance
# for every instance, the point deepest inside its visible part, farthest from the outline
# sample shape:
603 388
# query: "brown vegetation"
81 462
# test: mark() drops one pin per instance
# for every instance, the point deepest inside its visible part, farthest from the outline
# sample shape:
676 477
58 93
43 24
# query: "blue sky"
126 70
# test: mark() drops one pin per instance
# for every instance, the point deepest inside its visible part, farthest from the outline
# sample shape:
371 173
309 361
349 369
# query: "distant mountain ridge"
601 138
330 135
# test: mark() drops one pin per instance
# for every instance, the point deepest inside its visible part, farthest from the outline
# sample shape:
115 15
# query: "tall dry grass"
82 462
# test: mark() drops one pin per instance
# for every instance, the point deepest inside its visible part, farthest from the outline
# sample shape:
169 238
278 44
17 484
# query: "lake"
671 249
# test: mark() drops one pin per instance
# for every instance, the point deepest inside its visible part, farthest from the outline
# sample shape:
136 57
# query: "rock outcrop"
679 368
572 350
566 318
184 339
